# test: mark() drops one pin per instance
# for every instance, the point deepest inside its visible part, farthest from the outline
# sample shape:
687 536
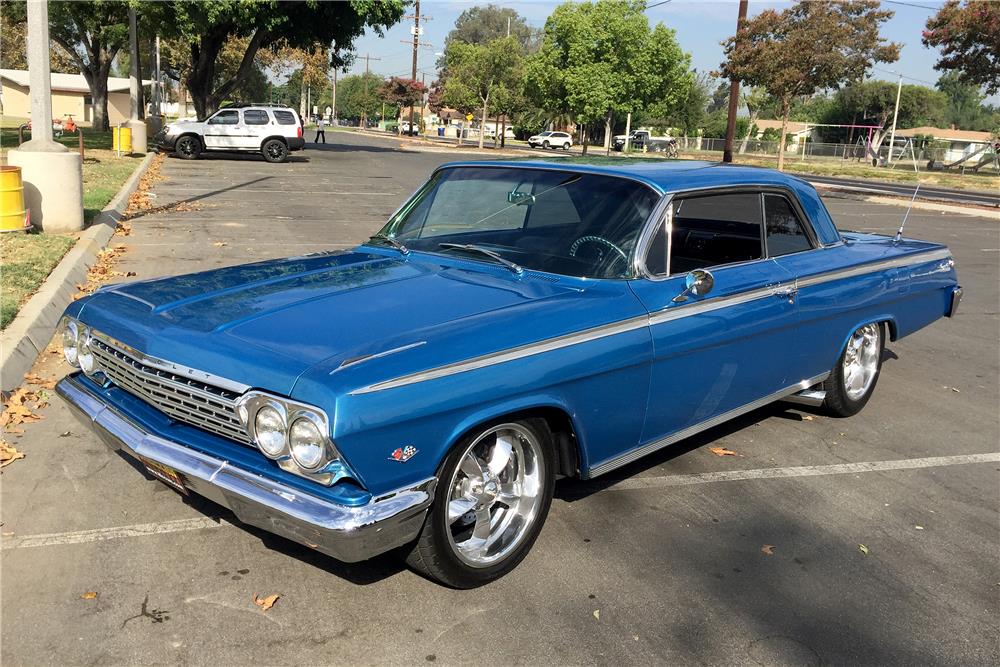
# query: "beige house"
961 143
70 96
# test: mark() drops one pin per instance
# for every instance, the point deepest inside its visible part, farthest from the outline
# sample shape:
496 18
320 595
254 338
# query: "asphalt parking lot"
664 561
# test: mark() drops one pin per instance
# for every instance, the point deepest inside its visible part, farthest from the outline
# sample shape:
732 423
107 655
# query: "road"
662 562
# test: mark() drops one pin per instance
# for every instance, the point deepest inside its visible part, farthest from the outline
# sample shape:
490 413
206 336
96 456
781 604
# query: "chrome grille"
196 403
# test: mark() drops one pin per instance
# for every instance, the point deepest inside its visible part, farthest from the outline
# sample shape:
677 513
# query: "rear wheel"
492 498
853 380
274 150
566 146
188 147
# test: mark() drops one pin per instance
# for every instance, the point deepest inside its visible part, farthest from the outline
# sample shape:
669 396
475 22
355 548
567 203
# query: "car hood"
265 324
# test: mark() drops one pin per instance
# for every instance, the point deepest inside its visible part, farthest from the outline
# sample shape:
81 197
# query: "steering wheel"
600 241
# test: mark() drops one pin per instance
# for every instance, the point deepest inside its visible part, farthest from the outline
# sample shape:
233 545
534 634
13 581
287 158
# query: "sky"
700 25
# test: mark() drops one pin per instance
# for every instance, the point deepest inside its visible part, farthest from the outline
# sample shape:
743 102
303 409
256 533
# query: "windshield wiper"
391 241
471 247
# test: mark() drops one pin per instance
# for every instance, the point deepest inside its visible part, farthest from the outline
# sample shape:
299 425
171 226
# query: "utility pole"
734 94
895 116
364 109
508 26
53 176
135 83
416 30
334 119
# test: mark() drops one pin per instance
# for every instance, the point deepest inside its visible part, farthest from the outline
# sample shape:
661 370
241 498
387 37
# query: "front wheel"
274 150
492 498
853 380
188 147
545 145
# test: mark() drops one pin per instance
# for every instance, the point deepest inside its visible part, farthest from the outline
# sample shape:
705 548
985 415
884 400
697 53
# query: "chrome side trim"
810 397
639 452
872 267
347 363
347 533
169 366
658 317
512 354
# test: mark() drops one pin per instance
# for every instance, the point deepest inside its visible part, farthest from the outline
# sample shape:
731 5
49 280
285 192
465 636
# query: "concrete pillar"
53 176
138 126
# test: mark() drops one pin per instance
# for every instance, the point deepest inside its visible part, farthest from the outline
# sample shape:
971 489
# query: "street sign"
469 116
414 30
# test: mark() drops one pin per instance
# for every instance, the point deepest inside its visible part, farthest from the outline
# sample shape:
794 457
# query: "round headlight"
306 443
269 429
70 340
84 355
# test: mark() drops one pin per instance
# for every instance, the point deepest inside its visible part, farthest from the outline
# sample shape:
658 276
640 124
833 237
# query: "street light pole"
416 44
895 116
734 94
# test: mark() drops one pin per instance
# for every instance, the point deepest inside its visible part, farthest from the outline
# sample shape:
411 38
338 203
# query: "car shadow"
244 157
339 147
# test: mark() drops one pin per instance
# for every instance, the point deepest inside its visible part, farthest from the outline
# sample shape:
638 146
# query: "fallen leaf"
807 418
219 244
767 549
265 603
8 454
89 595
597 614
955 390
863 549
919 527
65 434
721 451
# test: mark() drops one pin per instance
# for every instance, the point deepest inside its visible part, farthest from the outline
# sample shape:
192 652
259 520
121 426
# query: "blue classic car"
512 323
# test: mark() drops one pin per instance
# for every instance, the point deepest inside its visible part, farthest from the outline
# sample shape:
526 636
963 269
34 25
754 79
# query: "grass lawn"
25 261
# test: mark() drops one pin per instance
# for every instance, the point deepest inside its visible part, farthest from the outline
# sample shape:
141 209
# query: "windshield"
562 222
545 134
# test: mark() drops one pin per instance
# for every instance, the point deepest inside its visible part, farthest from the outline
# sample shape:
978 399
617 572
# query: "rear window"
285 118
256 117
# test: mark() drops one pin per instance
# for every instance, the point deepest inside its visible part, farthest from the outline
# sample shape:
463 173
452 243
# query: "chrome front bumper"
349 534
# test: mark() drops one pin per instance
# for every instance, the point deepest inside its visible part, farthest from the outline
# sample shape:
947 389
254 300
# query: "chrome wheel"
495 494
861 361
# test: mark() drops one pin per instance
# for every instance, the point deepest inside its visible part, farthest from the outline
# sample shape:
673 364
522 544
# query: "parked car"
645 140
514 322
550 139
273 131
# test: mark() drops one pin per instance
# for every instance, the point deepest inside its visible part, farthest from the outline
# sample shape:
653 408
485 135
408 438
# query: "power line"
909 78
657 4
910 4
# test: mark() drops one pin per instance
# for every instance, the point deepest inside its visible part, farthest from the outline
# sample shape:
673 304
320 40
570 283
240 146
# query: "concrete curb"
32 329
846 193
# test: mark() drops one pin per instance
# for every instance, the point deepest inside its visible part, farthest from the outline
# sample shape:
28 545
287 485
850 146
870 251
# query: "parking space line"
202 523
117 532
800 471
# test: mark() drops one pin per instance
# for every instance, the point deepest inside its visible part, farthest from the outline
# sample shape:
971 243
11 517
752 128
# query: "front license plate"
165 474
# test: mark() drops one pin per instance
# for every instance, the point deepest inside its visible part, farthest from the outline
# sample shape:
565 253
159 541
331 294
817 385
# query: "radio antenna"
899 233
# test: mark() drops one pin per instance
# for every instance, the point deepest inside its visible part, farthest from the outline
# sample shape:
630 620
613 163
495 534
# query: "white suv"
273 131
551 140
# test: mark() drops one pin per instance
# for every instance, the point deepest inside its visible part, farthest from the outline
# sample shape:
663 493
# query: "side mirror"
699 283
520 198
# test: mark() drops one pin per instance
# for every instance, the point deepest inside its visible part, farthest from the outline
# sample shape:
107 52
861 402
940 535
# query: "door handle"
787 292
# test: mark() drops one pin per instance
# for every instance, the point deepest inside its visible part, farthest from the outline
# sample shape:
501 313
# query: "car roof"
662 175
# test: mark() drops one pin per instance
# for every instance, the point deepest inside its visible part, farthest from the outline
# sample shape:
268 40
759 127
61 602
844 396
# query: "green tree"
14 41
810 46
478 71
481 25
968 36
601 58
91 34
875 101
358 96
207 26
965 103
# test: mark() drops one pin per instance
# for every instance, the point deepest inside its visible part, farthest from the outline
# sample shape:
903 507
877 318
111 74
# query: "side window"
785 233
715 229
256 117
285 118
228 117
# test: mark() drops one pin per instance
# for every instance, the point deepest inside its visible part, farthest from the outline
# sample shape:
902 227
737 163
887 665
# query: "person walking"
320 130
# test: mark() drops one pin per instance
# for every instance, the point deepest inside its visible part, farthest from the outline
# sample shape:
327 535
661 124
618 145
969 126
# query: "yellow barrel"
13 217
121 139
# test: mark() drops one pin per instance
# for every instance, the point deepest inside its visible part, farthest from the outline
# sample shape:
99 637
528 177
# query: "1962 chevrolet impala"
512 323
